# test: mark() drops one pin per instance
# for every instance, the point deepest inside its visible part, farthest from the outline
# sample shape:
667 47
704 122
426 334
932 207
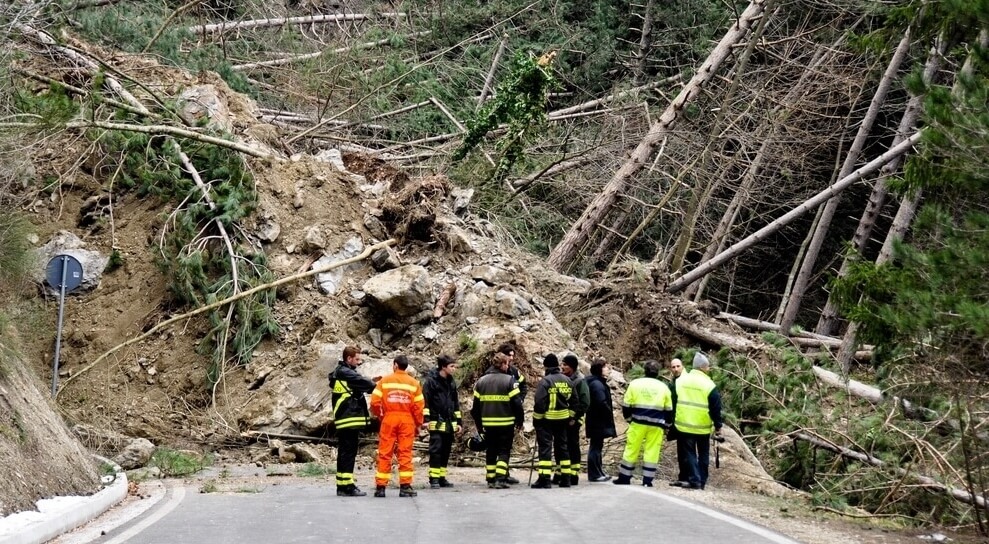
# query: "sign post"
63 272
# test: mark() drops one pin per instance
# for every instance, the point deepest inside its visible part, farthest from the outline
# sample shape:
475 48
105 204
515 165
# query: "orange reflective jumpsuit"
397 400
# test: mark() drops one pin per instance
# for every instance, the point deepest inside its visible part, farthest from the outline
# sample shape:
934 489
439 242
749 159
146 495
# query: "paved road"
285 514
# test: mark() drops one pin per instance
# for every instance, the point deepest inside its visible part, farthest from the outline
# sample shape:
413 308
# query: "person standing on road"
698 414
600 422
582 400
350 417
398 401
552 414
443 417
508 349
676 370
648 406
497 412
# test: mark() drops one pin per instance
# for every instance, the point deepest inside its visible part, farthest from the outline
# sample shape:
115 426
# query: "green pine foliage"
193 255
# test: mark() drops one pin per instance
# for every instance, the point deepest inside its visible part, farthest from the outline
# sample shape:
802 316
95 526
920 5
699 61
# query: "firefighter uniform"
552 413
398 401
648 405
350 417
497 412
443 416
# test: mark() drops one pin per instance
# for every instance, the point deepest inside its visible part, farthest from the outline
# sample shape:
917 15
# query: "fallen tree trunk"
281 21
787 218
953 492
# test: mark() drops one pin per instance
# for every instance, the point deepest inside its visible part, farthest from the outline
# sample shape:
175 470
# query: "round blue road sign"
72 272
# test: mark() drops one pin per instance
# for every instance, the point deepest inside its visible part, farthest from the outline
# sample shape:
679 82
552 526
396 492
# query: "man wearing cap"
552 413
582 400
698 414
497 412
648 407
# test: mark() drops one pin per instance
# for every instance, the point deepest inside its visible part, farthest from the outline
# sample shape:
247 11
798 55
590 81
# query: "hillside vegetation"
814 171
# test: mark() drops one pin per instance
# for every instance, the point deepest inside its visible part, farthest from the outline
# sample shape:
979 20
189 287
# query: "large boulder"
136 454
329 282
201 102
64 242
403 291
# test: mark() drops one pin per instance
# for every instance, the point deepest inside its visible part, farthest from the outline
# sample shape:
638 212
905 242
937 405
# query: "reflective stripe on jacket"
398 394
442 410
554 397
649 402
349 406
497 401
692 409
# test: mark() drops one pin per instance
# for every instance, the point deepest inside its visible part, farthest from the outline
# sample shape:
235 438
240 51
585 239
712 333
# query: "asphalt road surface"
284 514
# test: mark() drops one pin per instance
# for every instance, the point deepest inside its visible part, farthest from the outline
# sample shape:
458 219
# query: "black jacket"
349 407
554 400
600 416
497 401
442 410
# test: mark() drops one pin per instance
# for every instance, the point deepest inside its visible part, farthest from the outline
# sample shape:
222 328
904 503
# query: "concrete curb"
62 514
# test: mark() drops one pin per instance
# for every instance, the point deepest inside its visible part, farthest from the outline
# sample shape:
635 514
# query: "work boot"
445 483
564 481
574 479
542 483
510 480
350 491
646 482
556 479
406 491
680 483
379 491
498 483
622 480
434 483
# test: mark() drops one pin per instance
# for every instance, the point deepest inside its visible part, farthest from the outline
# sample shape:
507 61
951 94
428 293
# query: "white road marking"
166 509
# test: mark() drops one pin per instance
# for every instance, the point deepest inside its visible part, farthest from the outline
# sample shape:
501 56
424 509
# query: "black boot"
557 478
511 480
379 491
350 491
434 483
646 481
564 481
622 480
445 483
406 491
543 482
574 479
498 483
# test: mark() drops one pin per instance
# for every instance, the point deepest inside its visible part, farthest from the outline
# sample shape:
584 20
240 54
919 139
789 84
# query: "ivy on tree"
520 102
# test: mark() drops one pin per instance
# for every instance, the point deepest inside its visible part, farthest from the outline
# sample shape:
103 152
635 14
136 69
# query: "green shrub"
176 464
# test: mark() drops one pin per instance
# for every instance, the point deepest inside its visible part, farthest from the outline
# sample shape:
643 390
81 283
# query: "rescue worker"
442 416
648 407
582 401
398 402
508 348
698 414
497 413
350 417
600 419
552 414
676 370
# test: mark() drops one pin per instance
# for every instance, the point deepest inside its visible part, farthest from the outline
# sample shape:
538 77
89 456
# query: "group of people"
687 410
404 408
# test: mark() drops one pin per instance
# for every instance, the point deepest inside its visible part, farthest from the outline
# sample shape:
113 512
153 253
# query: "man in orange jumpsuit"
398 402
